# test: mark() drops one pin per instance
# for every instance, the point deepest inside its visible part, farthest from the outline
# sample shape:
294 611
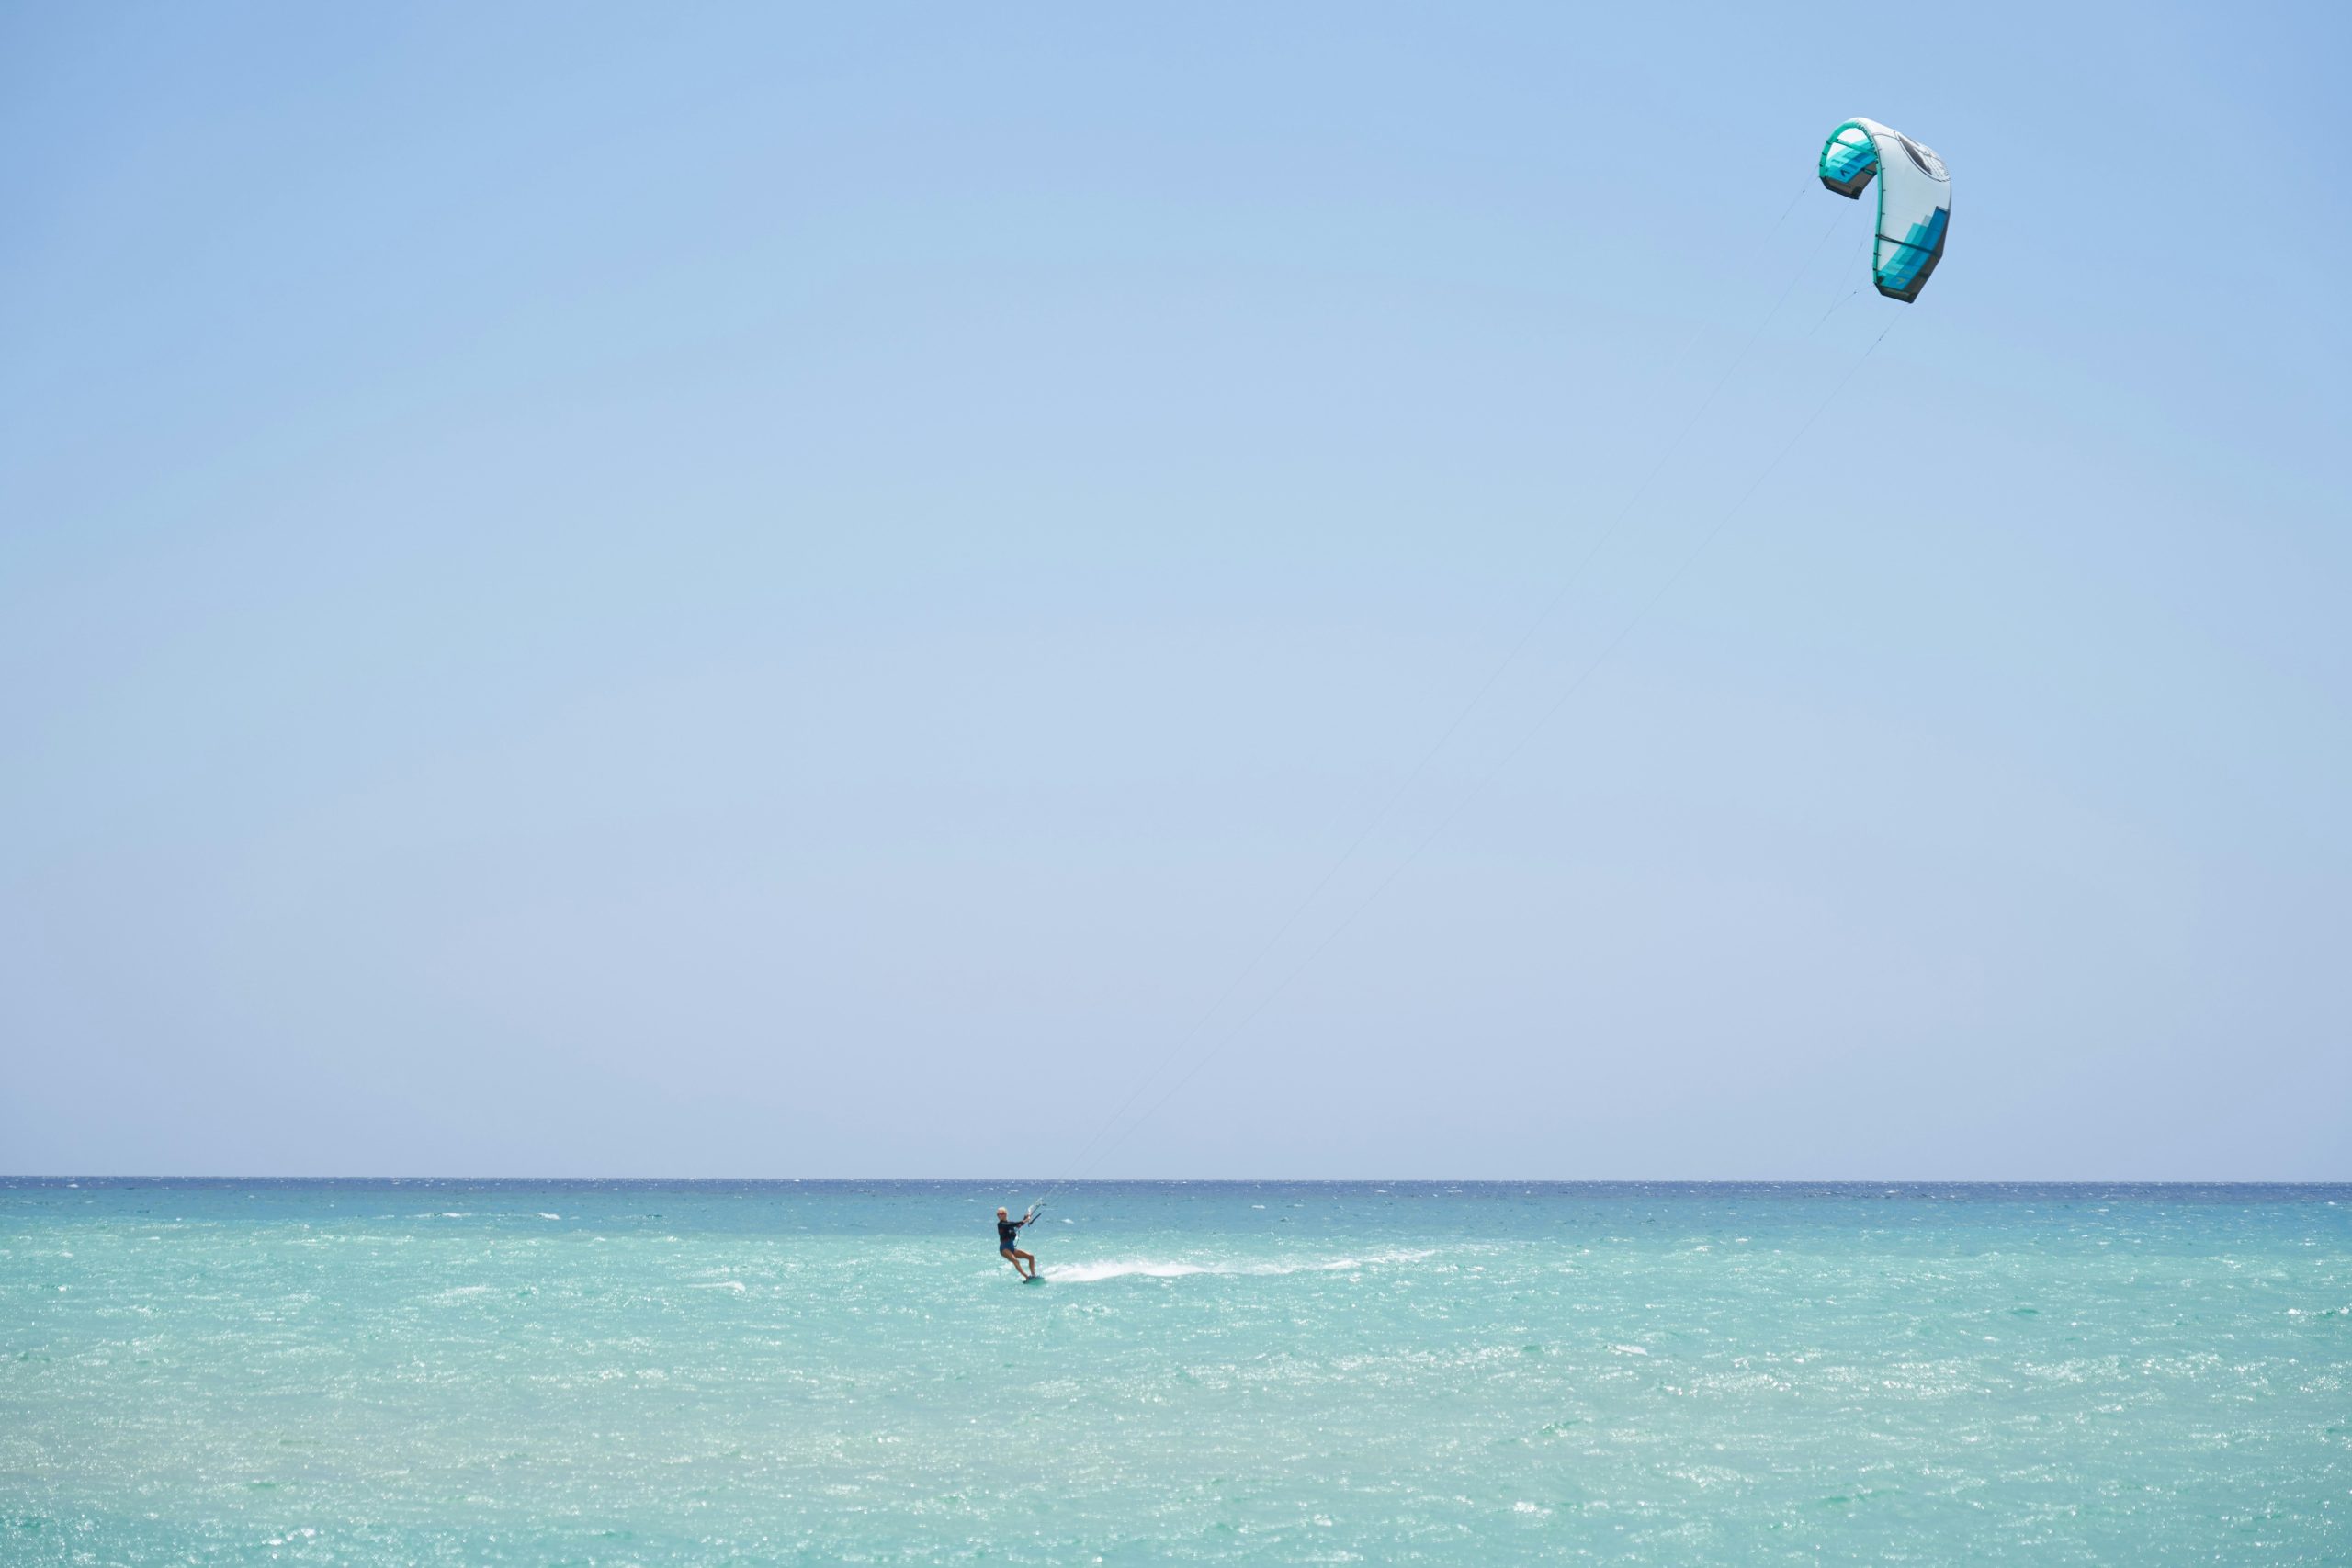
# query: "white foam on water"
1147 1268
1084 1272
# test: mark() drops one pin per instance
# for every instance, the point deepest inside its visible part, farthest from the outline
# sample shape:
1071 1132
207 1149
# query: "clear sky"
781 591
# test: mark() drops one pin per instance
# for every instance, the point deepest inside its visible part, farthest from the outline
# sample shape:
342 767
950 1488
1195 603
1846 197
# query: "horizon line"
1240 1180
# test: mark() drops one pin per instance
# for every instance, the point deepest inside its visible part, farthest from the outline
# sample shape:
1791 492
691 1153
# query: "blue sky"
767 590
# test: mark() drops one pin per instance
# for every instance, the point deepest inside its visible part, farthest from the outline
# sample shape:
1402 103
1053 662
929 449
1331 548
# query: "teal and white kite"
1914 199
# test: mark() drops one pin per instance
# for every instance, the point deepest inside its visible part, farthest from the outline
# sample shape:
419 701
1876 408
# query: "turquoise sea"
395 1372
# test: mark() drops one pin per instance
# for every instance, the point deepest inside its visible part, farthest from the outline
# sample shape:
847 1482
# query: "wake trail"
1156 1268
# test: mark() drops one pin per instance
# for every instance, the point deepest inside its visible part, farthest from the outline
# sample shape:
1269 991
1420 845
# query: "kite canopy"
1914 199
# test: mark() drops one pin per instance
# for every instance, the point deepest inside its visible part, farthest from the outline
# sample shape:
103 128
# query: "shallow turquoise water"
491 1373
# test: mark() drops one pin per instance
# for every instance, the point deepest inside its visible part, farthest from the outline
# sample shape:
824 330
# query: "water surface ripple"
1434 1374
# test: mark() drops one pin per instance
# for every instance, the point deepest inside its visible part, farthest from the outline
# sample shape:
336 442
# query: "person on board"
1008 1231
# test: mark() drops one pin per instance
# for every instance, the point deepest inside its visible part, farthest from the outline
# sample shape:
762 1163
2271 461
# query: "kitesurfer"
1008 1231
